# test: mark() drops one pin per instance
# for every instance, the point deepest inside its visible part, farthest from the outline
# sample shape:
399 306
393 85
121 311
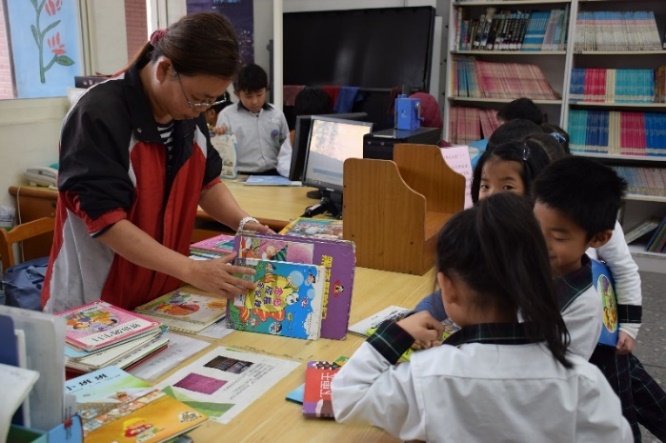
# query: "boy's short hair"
522 108
512 131
251 78
548 143
586 191
312 101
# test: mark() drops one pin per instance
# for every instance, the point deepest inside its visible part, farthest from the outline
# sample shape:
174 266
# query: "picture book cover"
604 284
287 300
99 324
118 407
185 311
337 256
219 245
326 228
317 392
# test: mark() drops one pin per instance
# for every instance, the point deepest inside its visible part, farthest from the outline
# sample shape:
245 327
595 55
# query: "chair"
19 233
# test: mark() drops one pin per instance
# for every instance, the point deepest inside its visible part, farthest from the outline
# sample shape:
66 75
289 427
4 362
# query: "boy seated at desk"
259 127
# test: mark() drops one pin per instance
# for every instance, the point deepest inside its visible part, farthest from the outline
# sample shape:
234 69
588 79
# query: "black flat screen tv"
370 48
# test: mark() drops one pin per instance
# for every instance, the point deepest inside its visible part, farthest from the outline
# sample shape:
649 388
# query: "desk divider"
393 210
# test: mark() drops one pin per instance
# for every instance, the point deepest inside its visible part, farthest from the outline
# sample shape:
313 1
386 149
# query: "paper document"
16 385
181 347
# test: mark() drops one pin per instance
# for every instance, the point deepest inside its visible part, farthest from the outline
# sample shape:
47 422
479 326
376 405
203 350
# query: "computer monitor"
331 142
301 135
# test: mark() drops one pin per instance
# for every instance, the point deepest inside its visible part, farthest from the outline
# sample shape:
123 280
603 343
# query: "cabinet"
603 101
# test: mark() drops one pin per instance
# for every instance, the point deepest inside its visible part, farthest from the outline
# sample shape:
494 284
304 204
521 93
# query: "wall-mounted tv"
371 48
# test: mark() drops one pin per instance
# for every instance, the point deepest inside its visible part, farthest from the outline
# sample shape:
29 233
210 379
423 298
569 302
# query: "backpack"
23 284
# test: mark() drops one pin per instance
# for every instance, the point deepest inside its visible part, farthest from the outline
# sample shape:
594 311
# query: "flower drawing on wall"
50 46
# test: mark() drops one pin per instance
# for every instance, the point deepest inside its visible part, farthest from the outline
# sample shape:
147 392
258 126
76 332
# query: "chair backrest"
19 233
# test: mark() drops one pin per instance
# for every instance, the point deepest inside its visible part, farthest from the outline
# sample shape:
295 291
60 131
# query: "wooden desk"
274 206
271 417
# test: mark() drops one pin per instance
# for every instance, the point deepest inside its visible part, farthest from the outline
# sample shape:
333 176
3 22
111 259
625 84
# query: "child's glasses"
203 105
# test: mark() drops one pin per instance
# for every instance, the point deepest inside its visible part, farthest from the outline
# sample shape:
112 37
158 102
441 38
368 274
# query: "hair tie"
157 35
557 136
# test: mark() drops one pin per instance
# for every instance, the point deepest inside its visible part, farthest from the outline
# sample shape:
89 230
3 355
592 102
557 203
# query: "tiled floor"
651 343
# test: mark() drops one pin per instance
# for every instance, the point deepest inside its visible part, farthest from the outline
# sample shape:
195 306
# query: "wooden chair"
19 233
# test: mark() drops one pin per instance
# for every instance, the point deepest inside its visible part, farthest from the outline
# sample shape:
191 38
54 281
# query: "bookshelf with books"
499 51
616 104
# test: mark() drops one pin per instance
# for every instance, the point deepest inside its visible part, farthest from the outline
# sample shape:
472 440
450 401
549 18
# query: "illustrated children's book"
317 392
117 407
214 247
226 145
325 228
99 324
604 284
185 311
337 256
287 299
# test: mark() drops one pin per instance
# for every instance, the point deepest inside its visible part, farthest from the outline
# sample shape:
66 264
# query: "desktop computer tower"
379 145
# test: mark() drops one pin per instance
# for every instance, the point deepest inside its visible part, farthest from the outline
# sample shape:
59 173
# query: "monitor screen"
331 142
301 135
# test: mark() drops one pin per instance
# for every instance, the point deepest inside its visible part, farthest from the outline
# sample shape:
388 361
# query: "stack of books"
99 334
303 289
213 247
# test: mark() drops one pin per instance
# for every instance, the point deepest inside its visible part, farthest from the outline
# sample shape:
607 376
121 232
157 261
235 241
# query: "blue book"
604 284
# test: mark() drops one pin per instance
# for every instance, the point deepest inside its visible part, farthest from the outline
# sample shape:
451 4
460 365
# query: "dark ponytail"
200 43
498 250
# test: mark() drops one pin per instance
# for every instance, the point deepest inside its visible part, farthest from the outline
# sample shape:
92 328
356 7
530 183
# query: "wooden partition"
393 210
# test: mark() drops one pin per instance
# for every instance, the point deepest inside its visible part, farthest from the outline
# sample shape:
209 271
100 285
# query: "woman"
135 161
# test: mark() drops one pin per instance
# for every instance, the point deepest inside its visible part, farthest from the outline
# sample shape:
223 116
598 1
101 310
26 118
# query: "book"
122 355
643 228
328 229
296 395
287 300
337 256
217 246
99 324
270 180
227 145
368 323
185 311
119 407
604 284
317 391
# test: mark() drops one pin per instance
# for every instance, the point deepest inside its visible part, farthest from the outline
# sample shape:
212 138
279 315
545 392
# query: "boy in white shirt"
260 128
576 203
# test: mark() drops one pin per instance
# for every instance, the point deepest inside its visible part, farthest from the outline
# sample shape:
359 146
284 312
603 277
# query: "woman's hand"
258 227
217 276
423 327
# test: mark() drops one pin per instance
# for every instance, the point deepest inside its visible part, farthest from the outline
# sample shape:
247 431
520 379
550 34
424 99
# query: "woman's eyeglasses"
197 105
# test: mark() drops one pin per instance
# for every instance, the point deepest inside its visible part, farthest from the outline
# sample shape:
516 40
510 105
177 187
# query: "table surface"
271 417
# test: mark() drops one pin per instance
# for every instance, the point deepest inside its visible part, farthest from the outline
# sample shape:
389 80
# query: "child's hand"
219 130
425 330
625 343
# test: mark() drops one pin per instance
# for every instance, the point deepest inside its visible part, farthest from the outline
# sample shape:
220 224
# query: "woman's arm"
215 276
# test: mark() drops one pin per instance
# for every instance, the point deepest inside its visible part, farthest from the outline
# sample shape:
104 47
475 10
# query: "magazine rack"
393 210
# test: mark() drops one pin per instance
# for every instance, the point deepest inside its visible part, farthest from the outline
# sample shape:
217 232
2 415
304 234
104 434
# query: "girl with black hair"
497 378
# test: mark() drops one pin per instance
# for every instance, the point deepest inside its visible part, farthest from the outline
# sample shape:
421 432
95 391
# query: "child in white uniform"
495 379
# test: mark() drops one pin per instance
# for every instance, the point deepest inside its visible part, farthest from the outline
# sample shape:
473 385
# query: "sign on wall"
45 46
241 14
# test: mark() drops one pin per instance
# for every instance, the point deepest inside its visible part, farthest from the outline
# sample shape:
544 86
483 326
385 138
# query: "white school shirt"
259 136
583 320
617 256
480 393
